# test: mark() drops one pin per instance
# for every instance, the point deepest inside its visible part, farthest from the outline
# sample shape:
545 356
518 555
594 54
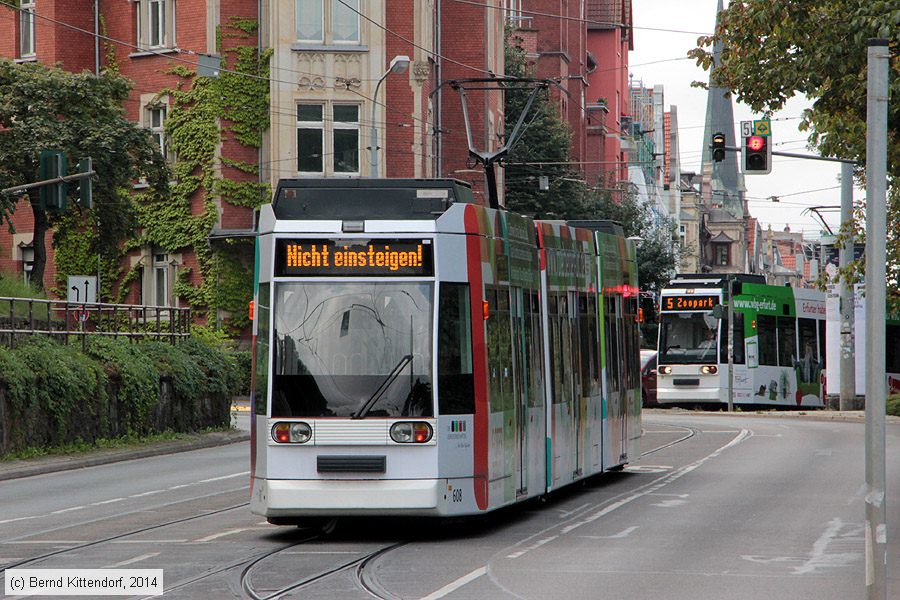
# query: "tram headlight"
411 432
709 369
664 370
291 433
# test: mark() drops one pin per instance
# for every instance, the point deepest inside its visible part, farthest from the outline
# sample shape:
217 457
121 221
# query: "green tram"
779 342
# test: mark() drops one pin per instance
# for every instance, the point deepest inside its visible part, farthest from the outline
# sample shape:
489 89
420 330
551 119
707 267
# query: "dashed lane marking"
131 561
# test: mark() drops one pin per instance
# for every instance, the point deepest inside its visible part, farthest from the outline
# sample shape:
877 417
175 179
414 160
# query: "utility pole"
878 57
847 299
730 345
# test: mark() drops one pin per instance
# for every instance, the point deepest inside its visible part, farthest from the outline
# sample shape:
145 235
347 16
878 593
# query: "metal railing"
63 319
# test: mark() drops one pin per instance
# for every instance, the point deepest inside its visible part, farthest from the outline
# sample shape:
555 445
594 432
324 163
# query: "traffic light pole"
795 155
21 189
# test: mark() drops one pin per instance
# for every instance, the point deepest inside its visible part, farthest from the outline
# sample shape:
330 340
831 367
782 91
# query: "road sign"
762 127
746 128
82 289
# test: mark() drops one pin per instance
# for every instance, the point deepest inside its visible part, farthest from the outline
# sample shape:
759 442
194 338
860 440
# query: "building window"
346 138
328 21
722 255
682 235
155 23
26 28
156 120
339 134
160 284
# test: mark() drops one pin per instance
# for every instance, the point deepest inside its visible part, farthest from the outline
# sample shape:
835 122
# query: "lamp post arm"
373 147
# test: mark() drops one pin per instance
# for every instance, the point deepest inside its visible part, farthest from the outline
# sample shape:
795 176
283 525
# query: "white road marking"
670 503
537 544
148 541
648 489
106 501
455 585
224 477
58 542
20 519
216 536
821 558
131 561
622 534
719 431
112 500
565 513
65 510
647 468
150 493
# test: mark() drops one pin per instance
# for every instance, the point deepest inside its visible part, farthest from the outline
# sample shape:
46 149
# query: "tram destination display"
335 258
689 302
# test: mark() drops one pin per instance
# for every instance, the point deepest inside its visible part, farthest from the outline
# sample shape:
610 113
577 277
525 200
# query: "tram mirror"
720 312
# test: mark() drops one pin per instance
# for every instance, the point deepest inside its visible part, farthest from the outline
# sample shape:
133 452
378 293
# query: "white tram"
418 354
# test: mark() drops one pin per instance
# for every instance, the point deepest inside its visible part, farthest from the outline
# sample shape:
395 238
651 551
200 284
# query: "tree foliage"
775 50
546 139
81 114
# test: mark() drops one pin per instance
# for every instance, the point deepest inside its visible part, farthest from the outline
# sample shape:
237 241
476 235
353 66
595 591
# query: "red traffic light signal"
757 153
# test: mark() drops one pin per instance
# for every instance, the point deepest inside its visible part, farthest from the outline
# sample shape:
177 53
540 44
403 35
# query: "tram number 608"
457 495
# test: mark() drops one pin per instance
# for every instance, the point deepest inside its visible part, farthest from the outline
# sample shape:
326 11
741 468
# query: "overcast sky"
664 30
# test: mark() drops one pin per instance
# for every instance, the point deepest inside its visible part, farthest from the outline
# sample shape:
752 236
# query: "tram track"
691 432
35 559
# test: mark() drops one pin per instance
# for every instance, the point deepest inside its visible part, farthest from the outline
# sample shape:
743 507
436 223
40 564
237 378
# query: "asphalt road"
720 507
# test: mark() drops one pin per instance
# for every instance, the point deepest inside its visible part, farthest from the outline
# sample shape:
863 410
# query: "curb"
16 469
856 416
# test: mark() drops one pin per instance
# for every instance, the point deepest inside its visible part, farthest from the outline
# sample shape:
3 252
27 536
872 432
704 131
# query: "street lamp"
399 64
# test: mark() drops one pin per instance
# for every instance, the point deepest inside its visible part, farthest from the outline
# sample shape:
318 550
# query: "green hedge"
53 395
893 405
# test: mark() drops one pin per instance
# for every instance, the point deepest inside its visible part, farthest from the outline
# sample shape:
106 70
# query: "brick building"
328 73
145 40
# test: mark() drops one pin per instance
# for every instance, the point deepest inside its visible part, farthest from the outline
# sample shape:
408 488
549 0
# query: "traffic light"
757 153
53 164
718 146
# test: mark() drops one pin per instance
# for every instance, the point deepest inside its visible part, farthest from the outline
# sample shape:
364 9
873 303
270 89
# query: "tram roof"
713 279
406 199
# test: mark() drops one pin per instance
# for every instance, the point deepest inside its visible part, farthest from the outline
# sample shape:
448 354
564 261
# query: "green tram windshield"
687 338
354 349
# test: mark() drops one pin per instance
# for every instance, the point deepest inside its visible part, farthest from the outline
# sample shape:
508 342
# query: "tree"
81 114
775 50
657 252
545 139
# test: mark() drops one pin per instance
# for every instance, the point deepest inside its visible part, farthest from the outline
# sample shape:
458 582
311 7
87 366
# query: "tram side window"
808 361
892 349
533 350
737 326
768 350
557 330
587 322
262 350
787 341
456 387
822 352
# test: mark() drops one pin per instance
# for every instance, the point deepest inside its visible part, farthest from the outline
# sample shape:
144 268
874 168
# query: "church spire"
723 184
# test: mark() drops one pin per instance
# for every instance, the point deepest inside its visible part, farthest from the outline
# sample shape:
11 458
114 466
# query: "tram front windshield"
688 338
356 349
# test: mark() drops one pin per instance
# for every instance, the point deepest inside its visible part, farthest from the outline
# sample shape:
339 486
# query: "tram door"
577 394
615 372
520 395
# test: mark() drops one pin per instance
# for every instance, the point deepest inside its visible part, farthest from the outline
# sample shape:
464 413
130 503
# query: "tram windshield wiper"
376 396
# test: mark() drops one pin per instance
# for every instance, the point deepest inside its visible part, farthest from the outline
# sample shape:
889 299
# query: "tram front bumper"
286 497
